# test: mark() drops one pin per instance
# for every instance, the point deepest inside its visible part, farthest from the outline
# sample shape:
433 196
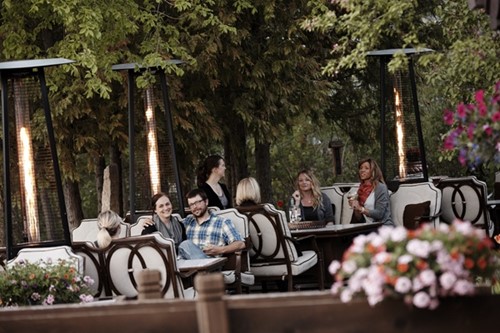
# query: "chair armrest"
305 243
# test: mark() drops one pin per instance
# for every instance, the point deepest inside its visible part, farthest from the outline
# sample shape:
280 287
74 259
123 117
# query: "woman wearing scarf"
163 221
372 203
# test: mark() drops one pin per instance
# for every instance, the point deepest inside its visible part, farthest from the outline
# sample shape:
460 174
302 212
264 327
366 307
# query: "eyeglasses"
196 203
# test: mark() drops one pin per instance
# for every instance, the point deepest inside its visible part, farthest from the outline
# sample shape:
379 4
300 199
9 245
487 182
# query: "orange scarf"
364 191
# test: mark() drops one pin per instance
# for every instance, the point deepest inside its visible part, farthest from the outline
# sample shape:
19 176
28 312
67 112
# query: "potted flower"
45 283
419 266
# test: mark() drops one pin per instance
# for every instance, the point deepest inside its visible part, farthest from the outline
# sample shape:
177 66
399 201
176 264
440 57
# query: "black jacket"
213 199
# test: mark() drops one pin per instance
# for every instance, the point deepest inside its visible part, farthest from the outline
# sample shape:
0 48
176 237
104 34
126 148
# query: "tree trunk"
99 165
116 158
73 203
263 168
235 156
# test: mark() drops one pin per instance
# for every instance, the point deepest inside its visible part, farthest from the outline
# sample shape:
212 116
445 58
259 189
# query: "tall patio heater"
34 208
153 163
401 140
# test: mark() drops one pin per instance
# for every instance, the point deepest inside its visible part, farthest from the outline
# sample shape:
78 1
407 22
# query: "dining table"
189 268
334 239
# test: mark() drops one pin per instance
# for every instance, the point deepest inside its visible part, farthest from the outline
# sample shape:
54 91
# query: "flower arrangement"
418 265
46 283
475 129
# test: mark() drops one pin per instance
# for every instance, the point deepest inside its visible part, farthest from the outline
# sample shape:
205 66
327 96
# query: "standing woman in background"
314 205
109 224
372 203
209 175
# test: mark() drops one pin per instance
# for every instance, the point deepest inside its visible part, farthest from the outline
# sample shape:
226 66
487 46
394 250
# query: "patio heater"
153 163
401 140
34 208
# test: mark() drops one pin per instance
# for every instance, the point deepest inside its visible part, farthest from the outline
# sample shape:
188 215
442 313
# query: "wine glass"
352 195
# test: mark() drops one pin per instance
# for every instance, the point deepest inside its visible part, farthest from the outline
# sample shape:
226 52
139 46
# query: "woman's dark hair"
205 169
155 198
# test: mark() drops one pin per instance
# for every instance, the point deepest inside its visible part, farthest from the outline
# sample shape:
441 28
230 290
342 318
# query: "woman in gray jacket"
372 202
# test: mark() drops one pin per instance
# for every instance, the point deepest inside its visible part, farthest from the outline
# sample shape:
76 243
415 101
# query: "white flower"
463 287
336 287
447 280
428 277
346 295
419 248
349 266
421 299
436 245
403 285
381 258
377 241
465 228
385 232
443 228
334 267
86 298
399 234
405 259
417 284
374 299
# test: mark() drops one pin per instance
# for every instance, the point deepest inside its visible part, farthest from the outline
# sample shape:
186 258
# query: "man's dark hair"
195 192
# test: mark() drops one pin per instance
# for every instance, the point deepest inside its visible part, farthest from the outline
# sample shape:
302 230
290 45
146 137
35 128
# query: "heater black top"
390 52
33 63
134 65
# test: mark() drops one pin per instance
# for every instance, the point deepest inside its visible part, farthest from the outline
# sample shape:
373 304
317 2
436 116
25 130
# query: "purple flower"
49 300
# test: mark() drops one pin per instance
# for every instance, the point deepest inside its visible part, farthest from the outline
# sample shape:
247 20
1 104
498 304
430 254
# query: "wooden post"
148 284
211 309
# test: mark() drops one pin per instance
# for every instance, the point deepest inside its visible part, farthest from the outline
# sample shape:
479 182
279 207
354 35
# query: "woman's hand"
148 223
296 197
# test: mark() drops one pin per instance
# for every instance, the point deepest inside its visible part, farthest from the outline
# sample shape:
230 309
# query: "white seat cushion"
247 278
302 264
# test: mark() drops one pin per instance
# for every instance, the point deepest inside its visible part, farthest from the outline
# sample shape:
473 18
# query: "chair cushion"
302 264
247 278
413 212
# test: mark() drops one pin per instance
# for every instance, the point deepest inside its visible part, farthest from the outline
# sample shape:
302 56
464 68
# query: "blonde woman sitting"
109 224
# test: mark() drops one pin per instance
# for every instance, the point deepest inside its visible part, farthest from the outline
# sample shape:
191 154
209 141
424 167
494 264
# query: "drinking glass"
352 194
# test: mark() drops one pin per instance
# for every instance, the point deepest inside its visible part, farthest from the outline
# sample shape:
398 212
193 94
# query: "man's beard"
201 213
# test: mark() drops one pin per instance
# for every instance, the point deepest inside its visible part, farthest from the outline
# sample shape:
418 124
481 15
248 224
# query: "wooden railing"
215 312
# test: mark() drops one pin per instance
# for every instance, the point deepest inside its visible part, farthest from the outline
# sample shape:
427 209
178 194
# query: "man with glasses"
208 235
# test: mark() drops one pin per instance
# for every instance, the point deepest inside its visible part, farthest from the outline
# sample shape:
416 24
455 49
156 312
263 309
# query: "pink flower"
496 116
461 111
448 117
487 129
479 96
470 131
